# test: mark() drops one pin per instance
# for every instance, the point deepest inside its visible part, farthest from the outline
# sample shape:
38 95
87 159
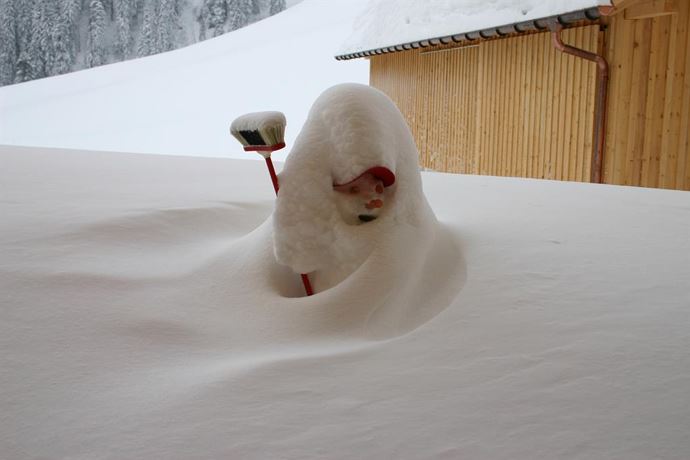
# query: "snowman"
362 199
350 185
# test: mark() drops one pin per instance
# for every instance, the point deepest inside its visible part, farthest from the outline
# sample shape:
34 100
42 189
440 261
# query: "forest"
43 38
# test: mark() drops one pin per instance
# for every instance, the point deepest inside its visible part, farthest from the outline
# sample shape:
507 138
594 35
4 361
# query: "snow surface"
394 22
182 102
143 316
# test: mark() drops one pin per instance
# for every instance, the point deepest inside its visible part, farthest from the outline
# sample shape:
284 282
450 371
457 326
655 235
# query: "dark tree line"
41 38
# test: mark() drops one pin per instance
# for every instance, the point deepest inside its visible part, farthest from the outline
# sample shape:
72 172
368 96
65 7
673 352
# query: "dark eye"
354 189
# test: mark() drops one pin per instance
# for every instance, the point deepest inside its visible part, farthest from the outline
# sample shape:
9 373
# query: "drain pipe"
600 103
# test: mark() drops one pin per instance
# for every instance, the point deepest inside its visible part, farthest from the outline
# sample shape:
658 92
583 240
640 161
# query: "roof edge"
592 15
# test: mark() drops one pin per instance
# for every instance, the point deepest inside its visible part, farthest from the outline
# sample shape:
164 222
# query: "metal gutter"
599 136
588 15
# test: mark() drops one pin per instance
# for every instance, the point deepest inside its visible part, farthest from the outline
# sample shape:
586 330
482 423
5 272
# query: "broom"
264 133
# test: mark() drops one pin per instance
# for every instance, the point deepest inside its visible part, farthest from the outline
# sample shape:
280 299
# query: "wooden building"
610 103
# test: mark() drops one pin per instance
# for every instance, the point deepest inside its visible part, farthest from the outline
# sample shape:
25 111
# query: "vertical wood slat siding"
517 107
649 113
510 107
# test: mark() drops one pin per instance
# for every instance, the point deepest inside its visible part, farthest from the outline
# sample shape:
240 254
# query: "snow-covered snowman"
350 185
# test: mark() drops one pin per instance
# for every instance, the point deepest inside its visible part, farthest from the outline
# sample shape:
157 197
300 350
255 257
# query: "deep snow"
143 316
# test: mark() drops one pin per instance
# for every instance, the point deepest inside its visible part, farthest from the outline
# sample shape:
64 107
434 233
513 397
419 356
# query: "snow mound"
353 128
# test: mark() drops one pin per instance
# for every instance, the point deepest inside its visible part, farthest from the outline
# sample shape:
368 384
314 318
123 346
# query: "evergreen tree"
148 35
213 16
8 41
168 25
96 39
64 37
39 47
23 69
123 11
26 66
238 13
276 7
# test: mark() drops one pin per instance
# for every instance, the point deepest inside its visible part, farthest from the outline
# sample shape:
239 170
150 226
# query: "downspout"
600 103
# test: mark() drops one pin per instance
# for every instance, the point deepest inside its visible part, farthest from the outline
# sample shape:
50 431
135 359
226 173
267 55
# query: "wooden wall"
517 107
511 107
649 108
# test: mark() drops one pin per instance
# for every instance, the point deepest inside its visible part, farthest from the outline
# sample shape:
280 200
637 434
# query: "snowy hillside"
183 101
143 316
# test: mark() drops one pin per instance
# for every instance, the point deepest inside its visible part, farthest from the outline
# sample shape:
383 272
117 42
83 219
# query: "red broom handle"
307 284
272 172
274 179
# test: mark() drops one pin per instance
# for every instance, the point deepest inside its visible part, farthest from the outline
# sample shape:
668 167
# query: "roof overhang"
579 17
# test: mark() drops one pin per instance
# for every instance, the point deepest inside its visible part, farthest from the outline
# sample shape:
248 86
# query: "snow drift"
143 315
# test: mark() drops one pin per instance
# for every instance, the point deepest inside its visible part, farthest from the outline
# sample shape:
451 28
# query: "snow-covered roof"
386 24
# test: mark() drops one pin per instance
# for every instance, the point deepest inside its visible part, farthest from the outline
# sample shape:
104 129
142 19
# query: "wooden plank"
651 9
422 105
638 95
683 165
446 99
657 97
547 106
610 154
531 110
668 155
535 114
521 112
475 107
500 121
498 107
568 115
508 125
674 96
485 145
489 138
621 81
527 109
452 151
513 150
621 5
557 131
545 48
582 107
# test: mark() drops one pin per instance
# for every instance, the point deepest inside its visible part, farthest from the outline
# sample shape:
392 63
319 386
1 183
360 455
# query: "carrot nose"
374 204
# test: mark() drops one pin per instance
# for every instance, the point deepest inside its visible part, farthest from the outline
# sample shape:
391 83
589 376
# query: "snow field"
144 316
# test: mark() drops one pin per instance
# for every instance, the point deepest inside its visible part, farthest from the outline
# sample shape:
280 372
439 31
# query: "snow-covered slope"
182 102
143 316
